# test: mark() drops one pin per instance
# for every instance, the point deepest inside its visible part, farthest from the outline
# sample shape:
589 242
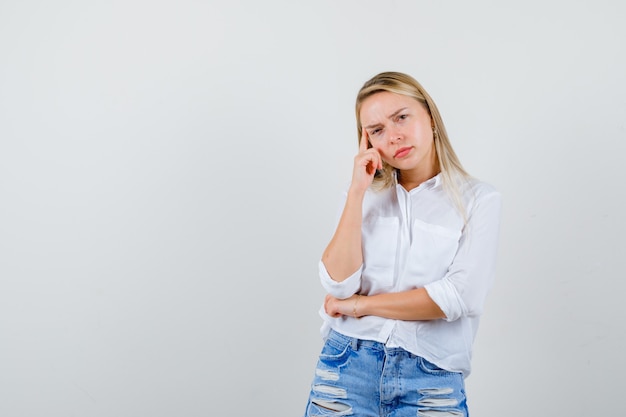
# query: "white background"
170 173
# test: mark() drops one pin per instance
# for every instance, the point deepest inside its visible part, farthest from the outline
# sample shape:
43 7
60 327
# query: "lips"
402 152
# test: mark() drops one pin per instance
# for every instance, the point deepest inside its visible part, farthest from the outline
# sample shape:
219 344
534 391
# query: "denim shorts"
364 378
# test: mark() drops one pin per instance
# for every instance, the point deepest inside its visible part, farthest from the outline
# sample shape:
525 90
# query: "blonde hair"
451 169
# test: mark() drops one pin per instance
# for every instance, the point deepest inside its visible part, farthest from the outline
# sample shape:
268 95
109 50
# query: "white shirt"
418 238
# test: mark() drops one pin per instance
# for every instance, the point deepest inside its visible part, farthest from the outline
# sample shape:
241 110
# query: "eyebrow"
391 116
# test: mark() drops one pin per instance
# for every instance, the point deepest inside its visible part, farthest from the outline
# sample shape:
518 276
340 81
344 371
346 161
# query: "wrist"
357 308
356 192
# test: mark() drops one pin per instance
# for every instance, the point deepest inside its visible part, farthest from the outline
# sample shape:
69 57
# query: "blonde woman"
408 267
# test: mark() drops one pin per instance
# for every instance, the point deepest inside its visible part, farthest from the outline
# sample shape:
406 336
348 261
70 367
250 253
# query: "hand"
336 307
367 161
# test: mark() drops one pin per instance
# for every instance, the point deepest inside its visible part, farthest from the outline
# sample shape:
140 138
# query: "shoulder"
477 193
476 189
374 197
379 198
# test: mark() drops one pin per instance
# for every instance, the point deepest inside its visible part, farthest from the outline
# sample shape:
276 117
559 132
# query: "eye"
403 116
376 131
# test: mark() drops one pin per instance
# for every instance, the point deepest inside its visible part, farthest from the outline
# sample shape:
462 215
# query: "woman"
408 267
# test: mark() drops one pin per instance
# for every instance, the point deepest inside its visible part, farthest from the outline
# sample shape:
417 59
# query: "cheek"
382 153
426 134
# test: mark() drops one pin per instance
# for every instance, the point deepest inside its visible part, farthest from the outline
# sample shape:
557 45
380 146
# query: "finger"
363 144
374 159
377 159
380 160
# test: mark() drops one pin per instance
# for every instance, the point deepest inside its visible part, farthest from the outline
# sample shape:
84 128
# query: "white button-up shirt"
418 238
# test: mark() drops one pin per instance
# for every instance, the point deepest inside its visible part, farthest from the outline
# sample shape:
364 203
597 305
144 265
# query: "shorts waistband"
355 342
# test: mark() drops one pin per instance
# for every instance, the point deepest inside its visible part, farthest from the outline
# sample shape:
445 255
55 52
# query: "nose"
394 134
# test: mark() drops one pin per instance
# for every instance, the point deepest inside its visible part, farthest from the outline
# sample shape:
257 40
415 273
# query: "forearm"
344 255
407 305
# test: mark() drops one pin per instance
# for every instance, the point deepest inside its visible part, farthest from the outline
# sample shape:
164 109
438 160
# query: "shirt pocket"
380 243
433 249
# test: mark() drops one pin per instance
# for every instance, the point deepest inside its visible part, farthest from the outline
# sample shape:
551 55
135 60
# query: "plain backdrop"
170 173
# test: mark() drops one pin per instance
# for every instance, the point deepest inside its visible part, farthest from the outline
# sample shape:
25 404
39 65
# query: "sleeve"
343 289
463 290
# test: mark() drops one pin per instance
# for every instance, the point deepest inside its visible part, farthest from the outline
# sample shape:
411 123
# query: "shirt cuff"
343 289
445 295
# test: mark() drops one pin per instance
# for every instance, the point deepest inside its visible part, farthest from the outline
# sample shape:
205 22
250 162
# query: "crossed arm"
406 305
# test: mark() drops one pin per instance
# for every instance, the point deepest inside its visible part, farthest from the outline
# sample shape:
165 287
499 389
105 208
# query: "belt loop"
355 344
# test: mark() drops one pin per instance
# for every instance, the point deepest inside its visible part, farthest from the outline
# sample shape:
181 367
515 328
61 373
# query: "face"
400 128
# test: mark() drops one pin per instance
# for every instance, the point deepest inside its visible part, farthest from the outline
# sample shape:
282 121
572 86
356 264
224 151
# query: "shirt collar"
430 184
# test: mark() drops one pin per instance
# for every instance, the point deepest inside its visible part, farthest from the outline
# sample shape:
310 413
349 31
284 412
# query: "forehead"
384 104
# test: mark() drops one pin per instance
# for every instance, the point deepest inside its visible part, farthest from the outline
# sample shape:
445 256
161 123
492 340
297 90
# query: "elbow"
449 300
340 289
339 271
460 309
474 311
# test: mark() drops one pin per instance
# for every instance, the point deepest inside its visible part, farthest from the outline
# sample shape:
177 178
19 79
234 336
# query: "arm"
461 292
406 305
343 255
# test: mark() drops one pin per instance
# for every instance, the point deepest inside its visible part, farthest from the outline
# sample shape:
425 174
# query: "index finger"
364 141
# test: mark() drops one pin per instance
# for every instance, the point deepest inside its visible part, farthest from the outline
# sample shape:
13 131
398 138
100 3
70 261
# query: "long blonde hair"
451 169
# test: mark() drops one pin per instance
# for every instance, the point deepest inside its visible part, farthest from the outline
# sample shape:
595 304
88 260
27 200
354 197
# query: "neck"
410 179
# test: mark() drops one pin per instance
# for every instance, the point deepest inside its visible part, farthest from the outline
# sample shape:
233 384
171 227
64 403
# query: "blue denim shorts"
364 378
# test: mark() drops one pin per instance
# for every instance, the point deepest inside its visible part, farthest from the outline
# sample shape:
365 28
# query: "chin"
408 165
